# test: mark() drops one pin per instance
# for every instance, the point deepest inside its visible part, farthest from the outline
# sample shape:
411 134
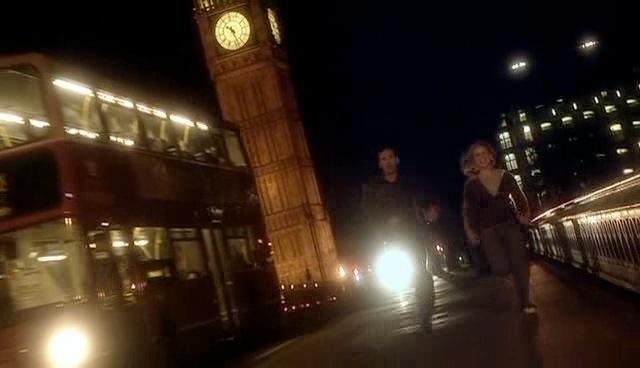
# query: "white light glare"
106 97
151 111
119 244
622 151
73 87
394 270
56 258
68 347
11 118
159 113
589 44
145 109
82 132
341 272
124 141
202 126
38 123
518 65
181 120
141 242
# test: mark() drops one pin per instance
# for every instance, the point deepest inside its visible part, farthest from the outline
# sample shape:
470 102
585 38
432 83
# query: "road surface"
475 323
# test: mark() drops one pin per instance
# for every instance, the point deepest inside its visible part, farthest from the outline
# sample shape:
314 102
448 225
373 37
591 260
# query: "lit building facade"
559 150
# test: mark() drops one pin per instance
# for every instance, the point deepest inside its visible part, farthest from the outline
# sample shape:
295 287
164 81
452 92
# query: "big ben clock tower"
242 46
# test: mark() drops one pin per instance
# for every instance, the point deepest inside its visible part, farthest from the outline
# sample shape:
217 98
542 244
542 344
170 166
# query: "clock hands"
233 32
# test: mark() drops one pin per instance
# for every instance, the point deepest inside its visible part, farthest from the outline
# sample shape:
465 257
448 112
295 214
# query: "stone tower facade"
242 43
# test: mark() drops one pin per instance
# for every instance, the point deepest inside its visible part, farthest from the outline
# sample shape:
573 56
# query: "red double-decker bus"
122 224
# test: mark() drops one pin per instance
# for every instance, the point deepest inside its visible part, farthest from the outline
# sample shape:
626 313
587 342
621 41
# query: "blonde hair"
467 163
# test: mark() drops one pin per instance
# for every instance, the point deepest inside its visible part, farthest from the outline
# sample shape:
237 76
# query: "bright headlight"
394 270
342 272
68 347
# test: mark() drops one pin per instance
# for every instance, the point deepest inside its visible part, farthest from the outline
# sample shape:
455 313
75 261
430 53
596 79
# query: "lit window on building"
615 128
545 126
554 112
601 155
523 116
618 93
627 171
589 114
636 123
604 93
633 102
596 100
505 140
503 123
610 108
567 120
575 106
519 181
511 162
528 136
532 155
622 151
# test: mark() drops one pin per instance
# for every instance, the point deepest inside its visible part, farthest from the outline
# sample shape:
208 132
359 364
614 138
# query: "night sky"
424 77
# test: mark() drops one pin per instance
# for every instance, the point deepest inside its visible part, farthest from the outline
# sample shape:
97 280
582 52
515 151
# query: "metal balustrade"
598 232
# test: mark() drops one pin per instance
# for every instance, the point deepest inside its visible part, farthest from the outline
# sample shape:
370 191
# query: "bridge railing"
598 232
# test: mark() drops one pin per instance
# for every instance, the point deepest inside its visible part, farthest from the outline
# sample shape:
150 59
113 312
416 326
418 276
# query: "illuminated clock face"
275 28
232 30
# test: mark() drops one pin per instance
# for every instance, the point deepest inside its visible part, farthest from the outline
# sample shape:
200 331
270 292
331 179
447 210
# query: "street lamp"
518 66
589 44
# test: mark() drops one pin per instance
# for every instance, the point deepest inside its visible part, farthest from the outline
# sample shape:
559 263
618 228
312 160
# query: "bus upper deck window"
160 133
79 110
196 141
22 116
121 118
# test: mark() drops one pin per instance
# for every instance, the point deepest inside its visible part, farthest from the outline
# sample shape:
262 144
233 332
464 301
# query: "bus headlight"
394 270
68 347
342 272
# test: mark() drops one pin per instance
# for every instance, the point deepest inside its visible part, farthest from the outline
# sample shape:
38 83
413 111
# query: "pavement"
581 322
